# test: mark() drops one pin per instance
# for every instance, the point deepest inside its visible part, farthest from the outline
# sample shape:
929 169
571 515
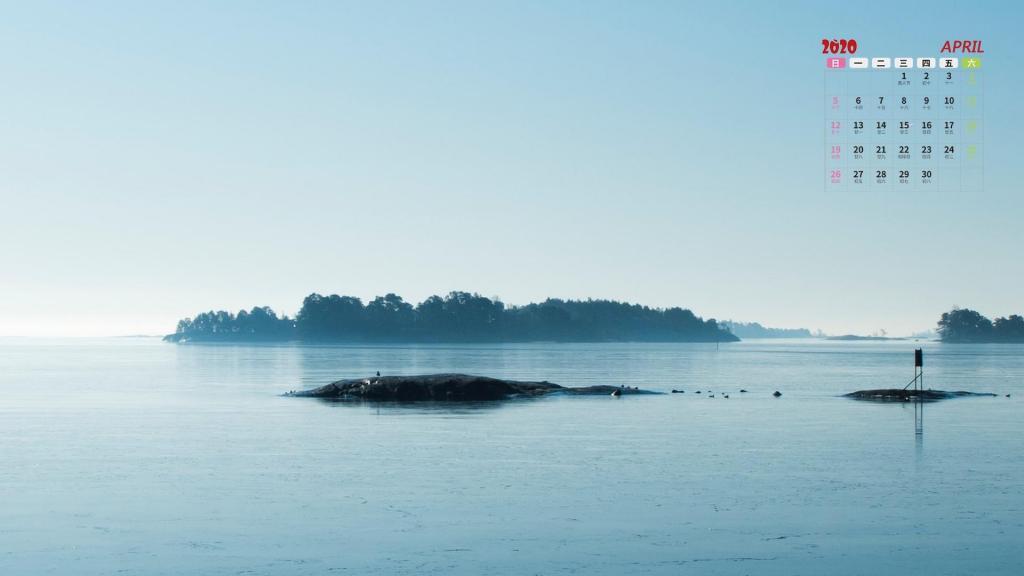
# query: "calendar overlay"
904 123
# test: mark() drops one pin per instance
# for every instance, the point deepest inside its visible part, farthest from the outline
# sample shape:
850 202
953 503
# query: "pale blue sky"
158 159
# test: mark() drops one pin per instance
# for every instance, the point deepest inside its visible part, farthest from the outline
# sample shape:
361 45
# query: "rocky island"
450 387
901 395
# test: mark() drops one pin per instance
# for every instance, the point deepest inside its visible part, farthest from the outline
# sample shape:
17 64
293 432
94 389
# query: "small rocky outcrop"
901 395
449 387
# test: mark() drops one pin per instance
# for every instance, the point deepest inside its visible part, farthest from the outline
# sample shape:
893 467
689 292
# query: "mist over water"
140 457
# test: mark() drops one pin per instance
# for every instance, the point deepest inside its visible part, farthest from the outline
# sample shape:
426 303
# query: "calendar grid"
904 124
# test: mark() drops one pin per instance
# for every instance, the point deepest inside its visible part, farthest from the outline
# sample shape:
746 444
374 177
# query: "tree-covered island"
964 325
457 317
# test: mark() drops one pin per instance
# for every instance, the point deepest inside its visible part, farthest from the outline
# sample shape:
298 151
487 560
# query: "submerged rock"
901 395
776 393
449 387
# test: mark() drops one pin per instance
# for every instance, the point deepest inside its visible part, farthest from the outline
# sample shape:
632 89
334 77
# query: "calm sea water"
131 456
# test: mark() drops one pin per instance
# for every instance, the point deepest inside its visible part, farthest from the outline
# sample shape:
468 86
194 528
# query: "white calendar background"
904 123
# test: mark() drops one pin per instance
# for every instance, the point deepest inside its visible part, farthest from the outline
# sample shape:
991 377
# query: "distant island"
457 317
856 338
756 330
961 325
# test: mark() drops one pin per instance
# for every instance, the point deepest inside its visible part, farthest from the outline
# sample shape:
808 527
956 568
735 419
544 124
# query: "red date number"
840 46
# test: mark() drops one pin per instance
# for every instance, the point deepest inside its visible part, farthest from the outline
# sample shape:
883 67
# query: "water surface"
132 456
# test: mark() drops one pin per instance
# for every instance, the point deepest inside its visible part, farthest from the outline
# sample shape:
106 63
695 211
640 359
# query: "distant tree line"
457 317
964 325
756 330
260 323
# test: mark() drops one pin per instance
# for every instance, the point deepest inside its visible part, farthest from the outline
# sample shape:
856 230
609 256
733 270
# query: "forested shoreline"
963 325
457 317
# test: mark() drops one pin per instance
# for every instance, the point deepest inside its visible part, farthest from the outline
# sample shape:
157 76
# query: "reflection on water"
919 430
919 417
405 408
149 458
